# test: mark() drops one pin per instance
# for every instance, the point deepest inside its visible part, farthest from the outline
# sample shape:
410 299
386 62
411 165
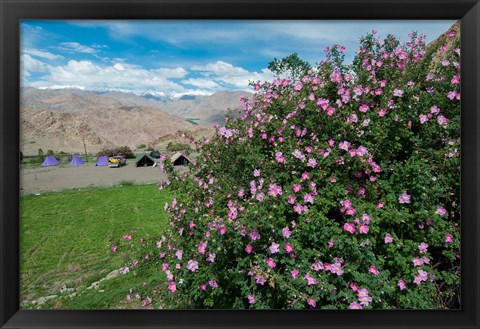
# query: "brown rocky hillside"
60 120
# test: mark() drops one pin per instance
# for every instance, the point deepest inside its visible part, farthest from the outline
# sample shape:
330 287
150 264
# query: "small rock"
94 285
113 274
43 300
65 289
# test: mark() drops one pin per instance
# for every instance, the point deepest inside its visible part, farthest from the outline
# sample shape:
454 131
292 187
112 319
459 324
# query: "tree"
292 66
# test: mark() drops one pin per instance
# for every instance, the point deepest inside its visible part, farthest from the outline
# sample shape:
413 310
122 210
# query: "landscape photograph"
254 164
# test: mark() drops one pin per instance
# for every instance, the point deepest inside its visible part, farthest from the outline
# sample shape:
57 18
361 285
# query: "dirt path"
55 178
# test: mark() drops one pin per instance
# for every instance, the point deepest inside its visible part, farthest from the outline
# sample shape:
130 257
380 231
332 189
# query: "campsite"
39 179
95 205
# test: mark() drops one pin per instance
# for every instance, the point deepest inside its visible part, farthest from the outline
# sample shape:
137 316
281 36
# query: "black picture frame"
12 11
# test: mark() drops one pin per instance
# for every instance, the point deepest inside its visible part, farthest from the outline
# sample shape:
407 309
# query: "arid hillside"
61 120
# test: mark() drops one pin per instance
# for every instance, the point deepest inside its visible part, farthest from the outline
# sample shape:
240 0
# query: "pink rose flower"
349 227
448 238
404 198
388 238
373 269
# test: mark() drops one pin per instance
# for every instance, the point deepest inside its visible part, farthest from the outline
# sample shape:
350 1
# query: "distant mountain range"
61 120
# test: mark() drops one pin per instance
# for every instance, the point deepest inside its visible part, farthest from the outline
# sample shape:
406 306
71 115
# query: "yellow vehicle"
116 161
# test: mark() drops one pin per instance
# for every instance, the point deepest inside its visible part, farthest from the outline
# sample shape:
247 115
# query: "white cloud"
201 83
98 46
226 74
29 64
116 76
174 32
220 68
64 87
178 72
75 47
120 75
40 53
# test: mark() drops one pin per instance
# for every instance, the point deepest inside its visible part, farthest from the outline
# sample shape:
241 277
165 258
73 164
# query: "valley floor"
57 178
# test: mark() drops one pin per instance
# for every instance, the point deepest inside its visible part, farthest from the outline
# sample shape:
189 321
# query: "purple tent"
102 161
50 161
76 161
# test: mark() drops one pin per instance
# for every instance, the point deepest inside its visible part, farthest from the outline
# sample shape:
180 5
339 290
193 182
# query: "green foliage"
192 121
124 151
40 152
338 190
174 147
126 183
50 152
141 146
292 66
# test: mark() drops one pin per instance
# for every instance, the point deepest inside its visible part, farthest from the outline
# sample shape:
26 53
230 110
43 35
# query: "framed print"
239 164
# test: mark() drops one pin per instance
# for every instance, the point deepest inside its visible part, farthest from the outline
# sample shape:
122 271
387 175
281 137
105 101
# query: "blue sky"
184 57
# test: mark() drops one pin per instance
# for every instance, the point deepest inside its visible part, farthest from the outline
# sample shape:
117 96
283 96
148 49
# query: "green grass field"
66 239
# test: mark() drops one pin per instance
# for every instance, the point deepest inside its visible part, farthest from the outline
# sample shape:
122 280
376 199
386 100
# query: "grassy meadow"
66 239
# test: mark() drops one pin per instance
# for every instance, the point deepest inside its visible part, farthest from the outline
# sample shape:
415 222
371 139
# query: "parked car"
116 161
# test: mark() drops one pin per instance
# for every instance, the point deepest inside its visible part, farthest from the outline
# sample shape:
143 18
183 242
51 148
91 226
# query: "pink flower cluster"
293 188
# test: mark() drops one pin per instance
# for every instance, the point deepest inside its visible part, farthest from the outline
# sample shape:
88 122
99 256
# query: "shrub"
124 151
174 147
339 190
126 183
192 121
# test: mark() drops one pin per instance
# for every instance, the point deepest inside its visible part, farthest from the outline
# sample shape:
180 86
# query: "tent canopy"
144 160
76 161
102 161
155 154
50 161
180 159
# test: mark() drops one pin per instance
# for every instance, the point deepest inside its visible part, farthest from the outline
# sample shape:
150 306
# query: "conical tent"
50 161
102 161
76 161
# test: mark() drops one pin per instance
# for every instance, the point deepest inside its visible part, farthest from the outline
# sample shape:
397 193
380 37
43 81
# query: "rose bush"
339 190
